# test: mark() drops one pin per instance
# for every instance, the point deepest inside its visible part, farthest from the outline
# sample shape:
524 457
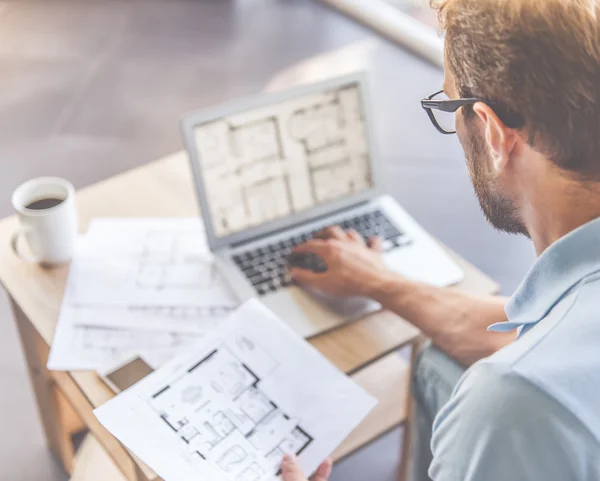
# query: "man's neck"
552 213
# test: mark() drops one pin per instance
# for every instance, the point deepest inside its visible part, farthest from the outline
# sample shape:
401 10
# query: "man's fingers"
375 243
355 236
316 246
304 276
335 232
290 471
321 234
324 471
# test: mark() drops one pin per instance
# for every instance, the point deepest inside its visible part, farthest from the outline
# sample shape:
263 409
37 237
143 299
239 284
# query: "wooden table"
365 349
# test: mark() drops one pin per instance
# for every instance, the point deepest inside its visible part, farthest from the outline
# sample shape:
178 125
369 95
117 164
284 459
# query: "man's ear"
499 137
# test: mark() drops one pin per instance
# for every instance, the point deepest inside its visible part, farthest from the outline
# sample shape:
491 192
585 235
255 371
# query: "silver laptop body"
273 169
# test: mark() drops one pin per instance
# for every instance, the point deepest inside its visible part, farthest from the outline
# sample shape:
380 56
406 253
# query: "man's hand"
354 268
290 471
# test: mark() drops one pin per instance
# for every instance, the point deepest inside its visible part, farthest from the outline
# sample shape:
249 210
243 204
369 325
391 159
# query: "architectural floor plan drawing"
103 347
81 347
193 320
172 260
261 165
230 407
91 338
147 262
221 414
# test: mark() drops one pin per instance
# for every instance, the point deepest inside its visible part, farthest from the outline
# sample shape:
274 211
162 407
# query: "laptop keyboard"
266 267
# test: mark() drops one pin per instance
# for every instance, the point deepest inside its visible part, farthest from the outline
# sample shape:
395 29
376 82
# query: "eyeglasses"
442 112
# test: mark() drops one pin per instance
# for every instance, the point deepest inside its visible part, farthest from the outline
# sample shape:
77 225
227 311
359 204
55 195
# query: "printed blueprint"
79 347
147 262
232 405
268 163
137 286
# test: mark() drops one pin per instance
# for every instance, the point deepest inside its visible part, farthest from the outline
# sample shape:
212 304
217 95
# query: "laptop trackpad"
349 308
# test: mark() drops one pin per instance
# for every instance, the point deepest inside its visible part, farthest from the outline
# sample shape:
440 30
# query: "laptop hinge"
315 219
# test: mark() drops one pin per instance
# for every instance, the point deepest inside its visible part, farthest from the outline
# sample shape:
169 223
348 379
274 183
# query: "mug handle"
15 246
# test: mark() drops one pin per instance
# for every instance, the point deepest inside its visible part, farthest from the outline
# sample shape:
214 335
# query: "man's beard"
497 207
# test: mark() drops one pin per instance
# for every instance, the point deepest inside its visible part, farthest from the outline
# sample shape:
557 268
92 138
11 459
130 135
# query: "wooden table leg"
93 463
58 418
129 466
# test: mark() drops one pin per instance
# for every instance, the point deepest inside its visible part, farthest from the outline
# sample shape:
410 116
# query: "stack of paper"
232 391
138 287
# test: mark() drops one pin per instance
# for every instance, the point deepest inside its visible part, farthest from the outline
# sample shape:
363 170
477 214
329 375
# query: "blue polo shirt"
532 411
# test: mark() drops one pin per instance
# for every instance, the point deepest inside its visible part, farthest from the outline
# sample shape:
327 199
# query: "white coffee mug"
46 209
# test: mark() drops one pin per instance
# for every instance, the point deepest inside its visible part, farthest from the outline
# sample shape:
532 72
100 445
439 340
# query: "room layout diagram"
162 263
170 260
88 348
220 414
262 165
120 341
178 315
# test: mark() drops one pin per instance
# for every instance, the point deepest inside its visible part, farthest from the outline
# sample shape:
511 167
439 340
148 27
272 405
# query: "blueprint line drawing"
177 312
93 348
320 129
272 162
148 262
112 345
221 415
173 261
190 320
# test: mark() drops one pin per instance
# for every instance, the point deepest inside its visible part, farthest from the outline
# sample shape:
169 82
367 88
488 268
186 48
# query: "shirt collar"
561 267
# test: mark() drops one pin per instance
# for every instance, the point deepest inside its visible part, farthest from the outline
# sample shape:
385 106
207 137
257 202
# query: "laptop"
273 170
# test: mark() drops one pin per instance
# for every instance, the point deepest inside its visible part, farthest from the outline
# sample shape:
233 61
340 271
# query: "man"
523 77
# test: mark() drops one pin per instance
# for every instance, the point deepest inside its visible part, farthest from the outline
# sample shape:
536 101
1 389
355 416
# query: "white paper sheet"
191 320
86 348
147 262
229 407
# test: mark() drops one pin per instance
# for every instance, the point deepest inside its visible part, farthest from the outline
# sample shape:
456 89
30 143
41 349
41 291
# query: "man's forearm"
455 321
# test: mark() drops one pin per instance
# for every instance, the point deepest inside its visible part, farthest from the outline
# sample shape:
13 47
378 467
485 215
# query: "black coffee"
43 204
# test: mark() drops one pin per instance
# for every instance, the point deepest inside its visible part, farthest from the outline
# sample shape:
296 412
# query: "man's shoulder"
558 357
497 417
493 392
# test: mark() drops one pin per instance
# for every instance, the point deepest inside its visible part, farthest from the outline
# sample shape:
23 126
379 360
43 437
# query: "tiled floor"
91 88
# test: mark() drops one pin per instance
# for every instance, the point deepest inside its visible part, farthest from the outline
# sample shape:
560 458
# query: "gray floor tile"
377 461
34 95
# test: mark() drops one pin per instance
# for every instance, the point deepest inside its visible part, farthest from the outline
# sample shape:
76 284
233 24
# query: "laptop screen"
266 164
